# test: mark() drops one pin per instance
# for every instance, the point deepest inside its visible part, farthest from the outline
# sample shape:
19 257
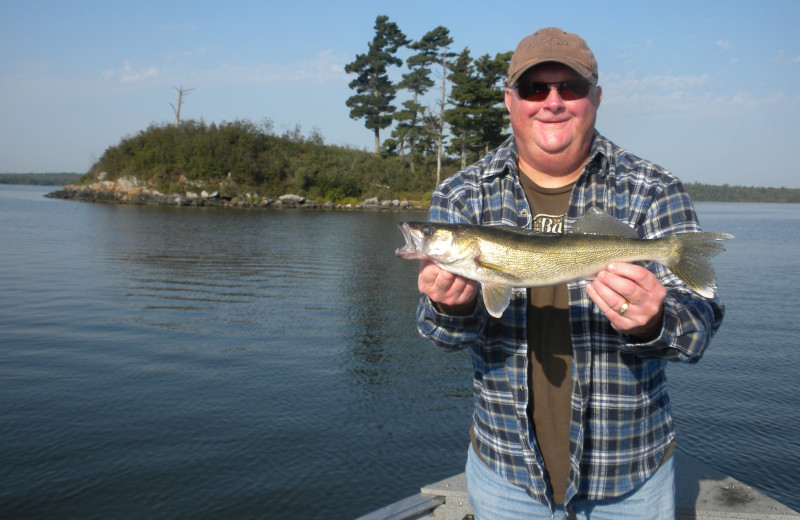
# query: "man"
571 412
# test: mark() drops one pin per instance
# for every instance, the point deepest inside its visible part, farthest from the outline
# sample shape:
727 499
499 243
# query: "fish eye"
427 230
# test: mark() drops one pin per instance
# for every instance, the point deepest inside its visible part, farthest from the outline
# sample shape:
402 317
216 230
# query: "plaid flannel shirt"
621 422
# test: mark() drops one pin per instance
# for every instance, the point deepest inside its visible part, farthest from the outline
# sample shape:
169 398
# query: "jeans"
494 498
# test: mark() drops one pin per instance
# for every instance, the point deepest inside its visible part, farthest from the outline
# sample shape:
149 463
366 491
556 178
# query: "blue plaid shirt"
621 422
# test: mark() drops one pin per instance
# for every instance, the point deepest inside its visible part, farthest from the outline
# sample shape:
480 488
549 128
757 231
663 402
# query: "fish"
502 258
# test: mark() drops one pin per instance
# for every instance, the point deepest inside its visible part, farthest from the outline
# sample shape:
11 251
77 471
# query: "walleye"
503 257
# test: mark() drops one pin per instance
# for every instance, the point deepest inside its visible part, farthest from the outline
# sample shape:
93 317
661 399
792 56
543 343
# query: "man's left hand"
636 292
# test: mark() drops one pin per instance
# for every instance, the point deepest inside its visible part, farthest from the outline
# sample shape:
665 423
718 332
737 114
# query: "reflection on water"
222 363
190 362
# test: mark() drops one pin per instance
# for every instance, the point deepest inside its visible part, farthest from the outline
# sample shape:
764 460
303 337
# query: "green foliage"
240 157
374 90
478 117
412 130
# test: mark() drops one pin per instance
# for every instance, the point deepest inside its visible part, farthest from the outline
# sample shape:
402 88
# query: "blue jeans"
494 498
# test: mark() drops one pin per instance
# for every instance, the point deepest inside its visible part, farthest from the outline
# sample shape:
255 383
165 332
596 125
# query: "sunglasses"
540 90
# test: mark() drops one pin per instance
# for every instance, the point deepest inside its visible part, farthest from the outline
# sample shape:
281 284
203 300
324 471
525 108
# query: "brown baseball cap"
553 44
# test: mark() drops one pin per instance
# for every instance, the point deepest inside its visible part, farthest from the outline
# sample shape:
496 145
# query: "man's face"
553 133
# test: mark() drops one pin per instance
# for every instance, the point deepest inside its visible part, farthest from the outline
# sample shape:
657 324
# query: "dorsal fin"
597 222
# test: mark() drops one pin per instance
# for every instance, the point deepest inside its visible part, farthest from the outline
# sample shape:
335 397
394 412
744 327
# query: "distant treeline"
40 179
725 193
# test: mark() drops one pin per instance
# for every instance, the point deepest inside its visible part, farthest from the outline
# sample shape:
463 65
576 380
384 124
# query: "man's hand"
623 283
452 294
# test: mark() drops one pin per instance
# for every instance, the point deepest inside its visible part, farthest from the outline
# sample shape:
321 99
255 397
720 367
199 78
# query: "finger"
647 291
615 287
605 299
460 290
614 290
427 275
636 273
446 284
640 319
444 287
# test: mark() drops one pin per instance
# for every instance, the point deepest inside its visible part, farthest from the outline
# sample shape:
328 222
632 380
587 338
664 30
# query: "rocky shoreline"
127 190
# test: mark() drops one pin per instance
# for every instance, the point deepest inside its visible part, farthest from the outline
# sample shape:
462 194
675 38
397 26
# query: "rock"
127 182
136 192
290 199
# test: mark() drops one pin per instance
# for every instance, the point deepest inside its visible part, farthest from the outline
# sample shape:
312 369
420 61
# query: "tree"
461 118
442 58
491 115
374 91
408 128
411 127
477 119
181 92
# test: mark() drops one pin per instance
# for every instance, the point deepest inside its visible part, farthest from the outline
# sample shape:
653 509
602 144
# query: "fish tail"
692 259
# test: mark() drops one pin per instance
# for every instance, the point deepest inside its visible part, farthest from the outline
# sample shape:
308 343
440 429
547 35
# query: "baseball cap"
553 44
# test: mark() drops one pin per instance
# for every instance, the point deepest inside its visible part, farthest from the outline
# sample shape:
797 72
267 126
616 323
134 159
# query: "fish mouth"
413 248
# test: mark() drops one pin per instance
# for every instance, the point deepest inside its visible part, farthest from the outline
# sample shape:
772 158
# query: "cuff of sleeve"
670 329
449 332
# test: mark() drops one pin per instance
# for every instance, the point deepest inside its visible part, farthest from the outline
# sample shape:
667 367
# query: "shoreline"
123 193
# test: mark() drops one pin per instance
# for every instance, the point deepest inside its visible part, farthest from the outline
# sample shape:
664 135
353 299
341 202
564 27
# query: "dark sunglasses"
568 90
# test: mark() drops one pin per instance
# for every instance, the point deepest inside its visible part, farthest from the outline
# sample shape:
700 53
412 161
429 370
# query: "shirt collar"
503 161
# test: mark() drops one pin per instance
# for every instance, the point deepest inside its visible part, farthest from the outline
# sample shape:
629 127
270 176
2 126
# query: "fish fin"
692 264
496 298
494 267
597 222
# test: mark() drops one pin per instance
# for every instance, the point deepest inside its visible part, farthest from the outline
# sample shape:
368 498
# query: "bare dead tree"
181 92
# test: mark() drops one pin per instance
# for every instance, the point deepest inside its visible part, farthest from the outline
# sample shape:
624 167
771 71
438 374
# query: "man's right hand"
451 293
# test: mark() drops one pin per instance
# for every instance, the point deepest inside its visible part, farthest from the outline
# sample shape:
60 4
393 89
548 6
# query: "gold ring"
624 308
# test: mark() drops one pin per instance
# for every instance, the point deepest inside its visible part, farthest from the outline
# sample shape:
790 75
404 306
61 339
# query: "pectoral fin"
494 267
496 298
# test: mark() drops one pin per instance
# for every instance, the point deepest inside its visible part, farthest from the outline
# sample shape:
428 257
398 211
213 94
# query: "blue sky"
708 89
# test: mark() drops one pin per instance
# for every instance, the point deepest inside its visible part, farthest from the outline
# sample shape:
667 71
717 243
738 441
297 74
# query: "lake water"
218 363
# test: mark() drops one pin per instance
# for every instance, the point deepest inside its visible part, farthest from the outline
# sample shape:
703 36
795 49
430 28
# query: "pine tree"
461 117
443 58
477 119
411 126
374 90
491 117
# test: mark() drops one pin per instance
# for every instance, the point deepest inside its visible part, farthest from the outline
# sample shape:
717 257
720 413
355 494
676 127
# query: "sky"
709 90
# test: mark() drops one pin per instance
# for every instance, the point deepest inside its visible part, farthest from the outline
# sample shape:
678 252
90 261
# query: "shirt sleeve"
449 204
690 321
